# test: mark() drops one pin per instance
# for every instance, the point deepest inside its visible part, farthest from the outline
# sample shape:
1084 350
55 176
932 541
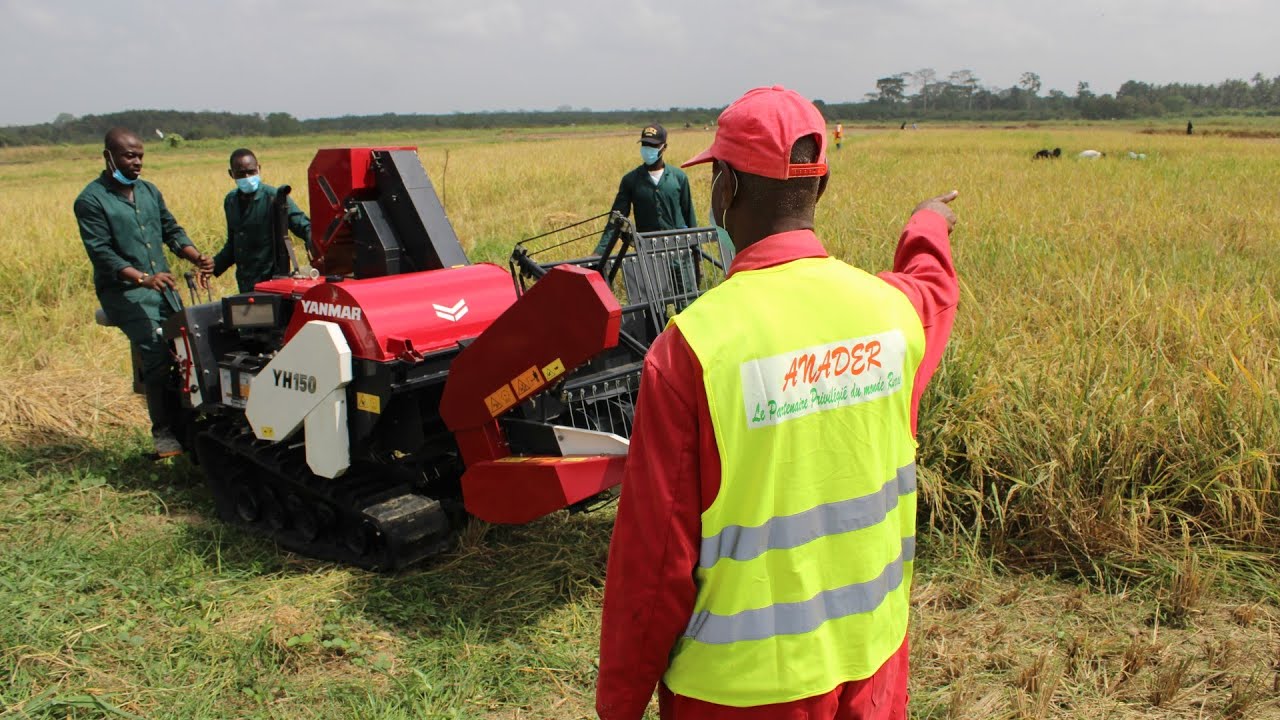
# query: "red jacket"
673 467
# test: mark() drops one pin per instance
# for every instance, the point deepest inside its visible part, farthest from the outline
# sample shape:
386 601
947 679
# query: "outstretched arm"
923 270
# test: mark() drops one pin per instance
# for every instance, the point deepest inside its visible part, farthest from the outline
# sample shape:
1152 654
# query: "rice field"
1100 449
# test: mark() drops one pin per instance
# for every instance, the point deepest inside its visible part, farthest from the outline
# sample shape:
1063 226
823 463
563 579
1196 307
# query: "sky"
323 58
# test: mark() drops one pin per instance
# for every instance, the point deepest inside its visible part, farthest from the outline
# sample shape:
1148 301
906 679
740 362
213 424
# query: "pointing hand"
939 205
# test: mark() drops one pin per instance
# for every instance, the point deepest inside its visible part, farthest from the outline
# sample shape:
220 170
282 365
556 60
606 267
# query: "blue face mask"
650 155
117 175
249 184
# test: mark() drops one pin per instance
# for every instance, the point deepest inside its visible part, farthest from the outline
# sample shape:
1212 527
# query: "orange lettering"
856 353
790 377
824 370
873 349
811 374
841 352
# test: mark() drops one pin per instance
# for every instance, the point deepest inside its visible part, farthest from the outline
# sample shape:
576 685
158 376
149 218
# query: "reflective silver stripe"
799 617
909 549
738 542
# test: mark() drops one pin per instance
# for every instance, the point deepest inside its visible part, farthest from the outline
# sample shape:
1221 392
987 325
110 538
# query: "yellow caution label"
500 400
369 403
527 382
544 459
553 370
268 432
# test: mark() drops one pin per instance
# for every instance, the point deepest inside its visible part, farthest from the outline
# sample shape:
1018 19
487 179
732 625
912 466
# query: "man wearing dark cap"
659 194
125 226
762 555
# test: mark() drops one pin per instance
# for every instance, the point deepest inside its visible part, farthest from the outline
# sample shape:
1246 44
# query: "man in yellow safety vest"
762 556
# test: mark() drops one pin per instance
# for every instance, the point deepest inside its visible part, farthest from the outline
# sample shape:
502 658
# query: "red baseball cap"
756 132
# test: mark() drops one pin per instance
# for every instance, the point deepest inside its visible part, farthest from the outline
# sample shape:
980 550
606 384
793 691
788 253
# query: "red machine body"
336 176
287 286
466 391
525 350
518 351
406 316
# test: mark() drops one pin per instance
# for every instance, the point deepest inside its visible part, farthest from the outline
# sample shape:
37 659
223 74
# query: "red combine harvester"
362 413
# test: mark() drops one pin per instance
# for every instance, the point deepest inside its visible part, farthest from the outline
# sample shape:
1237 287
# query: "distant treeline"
904 97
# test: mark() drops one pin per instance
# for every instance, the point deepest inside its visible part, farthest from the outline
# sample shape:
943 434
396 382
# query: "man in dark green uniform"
249 243
125 224
659 194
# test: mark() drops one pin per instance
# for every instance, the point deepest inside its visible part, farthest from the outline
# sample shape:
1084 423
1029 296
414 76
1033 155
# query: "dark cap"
653 135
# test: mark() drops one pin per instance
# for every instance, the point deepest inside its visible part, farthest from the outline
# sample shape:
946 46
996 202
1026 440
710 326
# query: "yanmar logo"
452 314
331 310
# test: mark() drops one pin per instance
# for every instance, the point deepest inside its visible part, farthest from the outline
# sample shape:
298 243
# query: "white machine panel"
328 445
315 363
576 441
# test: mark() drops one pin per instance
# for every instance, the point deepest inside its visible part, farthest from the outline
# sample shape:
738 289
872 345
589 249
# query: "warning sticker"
369 403
268 432
500 400
554 370
526 382
824 377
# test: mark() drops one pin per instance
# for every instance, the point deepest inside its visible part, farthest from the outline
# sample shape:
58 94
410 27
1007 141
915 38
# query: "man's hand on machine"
158 282
202 278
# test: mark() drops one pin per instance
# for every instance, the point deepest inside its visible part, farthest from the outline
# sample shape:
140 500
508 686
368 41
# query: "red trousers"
882 696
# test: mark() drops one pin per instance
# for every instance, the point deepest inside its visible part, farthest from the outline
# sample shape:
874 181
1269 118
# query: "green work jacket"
249 236
668 205
118 233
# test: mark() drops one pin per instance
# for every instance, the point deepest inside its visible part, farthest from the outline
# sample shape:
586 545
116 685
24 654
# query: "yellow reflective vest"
804 570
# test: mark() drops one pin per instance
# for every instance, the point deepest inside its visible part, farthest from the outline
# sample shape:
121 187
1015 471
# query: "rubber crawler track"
369 517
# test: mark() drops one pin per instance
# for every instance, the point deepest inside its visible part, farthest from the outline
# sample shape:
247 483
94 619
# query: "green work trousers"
139 313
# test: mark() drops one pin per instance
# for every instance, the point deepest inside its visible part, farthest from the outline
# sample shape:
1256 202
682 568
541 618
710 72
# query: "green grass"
120 597
120 591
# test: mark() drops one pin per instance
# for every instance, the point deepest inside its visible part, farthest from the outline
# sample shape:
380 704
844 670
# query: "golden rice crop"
1112 384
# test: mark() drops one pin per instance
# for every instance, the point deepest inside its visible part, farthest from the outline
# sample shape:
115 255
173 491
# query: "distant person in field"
763 551
1189 127
839 135
125 225
658 194
249 245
